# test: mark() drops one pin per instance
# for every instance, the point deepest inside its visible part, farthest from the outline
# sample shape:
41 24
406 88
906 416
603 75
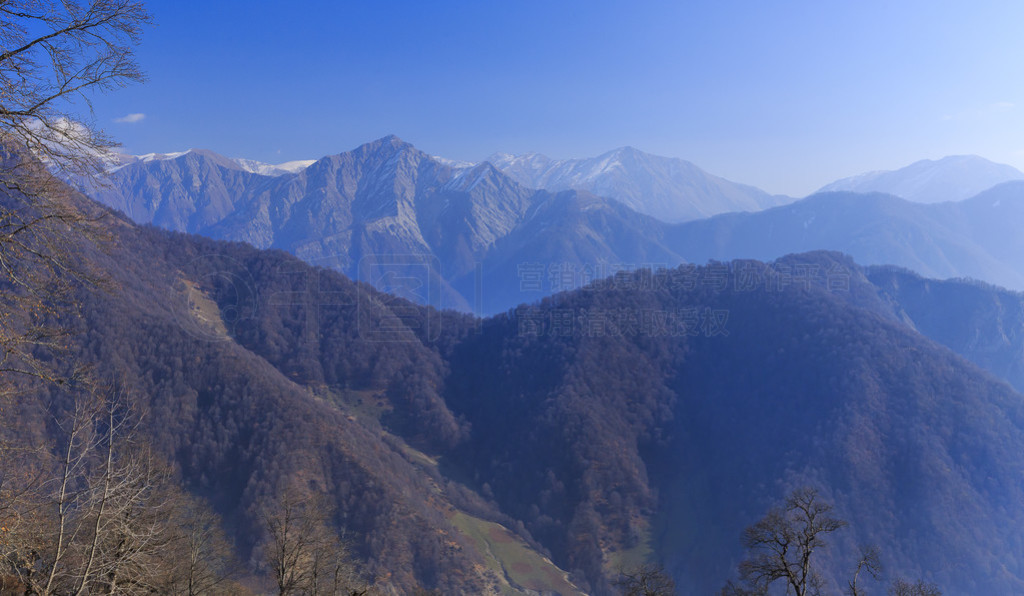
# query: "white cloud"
130 119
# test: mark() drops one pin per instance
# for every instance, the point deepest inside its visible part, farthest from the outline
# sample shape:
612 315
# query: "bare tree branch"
304 554
783 542
53 55
645 580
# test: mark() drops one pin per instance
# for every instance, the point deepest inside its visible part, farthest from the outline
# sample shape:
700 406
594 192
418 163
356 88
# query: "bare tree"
782 546
206 563
333 571
54 54
289 526
45 521
902 587
98 522
130 531
645 580
304 554
869 563
783 543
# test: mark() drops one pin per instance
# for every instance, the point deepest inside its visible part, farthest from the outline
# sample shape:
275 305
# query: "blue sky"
784 95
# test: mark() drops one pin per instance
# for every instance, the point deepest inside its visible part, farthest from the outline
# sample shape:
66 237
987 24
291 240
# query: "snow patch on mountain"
454 164
265 169
120 160
160 156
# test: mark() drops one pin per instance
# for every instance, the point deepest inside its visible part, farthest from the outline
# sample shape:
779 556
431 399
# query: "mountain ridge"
951 178
354 209
972 238
472 239
669 189
573 423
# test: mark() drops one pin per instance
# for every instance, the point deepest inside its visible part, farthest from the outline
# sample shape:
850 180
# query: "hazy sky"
783 95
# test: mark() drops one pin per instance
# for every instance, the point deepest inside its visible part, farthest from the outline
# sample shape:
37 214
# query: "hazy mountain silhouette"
951 178
974 238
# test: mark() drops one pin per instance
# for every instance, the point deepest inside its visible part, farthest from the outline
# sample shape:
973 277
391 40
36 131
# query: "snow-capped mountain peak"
265 169
454 164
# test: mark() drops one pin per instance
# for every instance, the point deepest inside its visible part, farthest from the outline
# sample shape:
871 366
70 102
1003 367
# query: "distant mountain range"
393 216
472 238
952 178
669 189
976 238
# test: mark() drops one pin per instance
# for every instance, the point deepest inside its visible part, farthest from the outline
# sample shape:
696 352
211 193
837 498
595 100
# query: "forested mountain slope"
983 323
670 412
255 372
644 416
